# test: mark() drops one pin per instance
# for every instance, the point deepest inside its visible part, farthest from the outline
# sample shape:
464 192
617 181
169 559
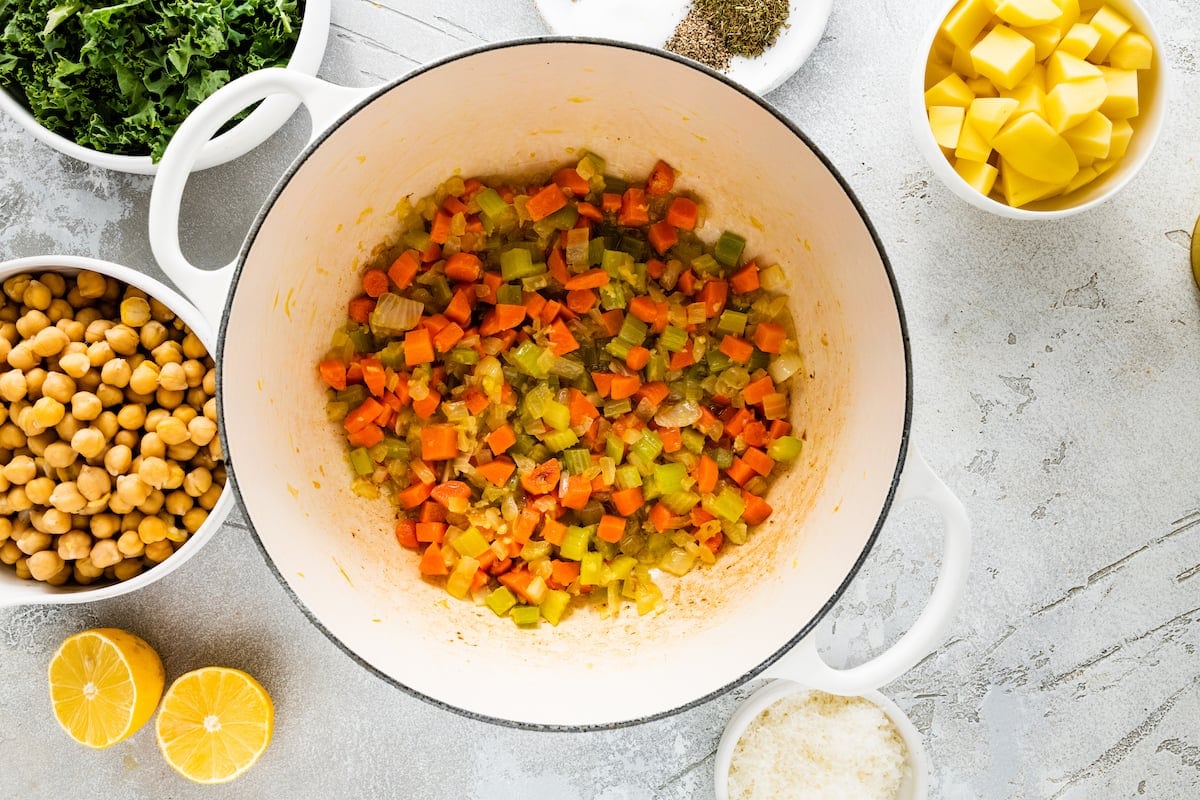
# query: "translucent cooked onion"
679 415
395 314
785 366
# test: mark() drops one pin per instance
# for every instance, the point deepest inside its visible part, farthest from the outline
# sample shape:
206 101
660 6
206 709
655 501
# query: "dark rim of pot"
783 120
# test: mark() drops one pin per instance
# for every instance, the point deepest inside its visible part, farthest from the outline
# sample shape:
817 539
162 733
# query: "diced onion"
785 366
679 415
395 314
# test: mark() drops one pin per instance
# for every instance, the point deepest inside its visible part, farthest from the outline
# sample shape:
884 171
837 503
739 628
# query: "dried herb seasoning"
715 30
695 38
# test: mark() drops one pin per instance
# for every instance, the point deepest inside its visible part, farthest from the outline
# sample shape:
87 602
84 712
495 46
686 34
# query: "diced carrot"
453 205
643 307
373 375
404 269
418 347
363 415
406 533
635 209
755 433
683 213
638 357
755 391
672 440
501 439
662 236
612 320
498 471
463 267
431 532
611 529
385 416
756 510
576 493
424 408
518 580
551 311
714 542
543 478
447 337
526 522
460 305
661 317
432 511
561 340
563 573
439 443
779 427
471 187
454 495
655 268
401 391
603 381
581 409
713 294
492 281
661 180
375 282
414 495
684 358
745 280
738 349
625 386
432 563
706 474
663 519
434 323
700 516
553 531
592 279
480 578
628 501
501 567
739 471
475 399
580 300
558 266
368 436
546 202
654 392
360 309
687 283
501 318
439 229
758 461
534 303
570 180
610 202
769 337
589 211
431 253
737 420
333 372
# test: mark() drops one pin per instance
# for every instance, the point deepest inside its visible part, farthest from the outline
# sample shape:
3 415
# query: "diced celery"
365 488
536 399
628 477
491 203
554 605
727 505
614 447
758 360
462 355
458 583
732 323
650 490
705 265
533 550
622 567
615 185
785 448
673 339
635 246
360 461
336 410
510 294
728 249
397 449
501 601
618 349
526 616
557 415
693 440
576 460
595 255
392 355
680 502
723 457
656 368
591 569
361 340
648 447
590 166
716 360
613 296
517 263
535 283
669 477
527 356
558 441
470 543
633 330
562 220
575 543
677 561
617 408
612 261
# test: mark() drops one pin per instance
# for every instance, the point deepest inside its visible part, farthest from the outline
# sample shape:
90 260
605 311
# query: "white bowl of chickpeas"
111 472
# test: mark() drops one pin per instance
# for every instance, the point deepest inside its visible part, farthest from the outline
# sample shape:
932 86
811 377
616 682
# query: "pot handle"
804 664
325 102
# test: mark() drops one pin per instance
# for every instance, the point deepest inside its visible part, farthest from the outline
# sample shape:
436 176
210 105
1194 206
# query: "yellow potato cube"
1004 56
1079 41
1028 13
964 24
972 146
947 122
1019 189
1132 51
1036 77
1064 68
979 174
943 48
936 71
1111 26
1070 14
1036 150
963 64
1104 166
1122 133
1092 137
982 87
1088 6
1044 37
1069 104
1122 99
1082 178
950 91
1030 99
988 114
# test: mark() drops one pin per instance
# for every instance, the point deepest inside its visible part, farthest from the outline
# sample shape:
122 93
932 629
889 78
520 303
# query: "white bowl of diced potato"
1035 109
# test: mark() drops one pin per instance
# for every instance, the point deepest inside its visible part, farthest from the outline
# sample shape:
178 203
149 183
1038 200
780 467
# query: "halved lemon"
104 684
215 723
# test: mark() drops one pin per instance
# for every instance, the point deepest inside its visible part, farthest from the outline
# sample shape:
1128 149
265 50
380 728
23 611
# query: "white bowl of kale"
109 83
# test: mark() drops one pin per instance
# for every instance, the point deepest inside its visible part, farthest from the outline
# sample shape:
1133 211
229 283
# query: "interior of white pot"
510 110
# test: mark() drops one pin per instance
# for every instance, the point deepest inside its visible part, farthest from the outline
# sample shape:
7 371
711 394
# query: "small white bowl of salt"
790 742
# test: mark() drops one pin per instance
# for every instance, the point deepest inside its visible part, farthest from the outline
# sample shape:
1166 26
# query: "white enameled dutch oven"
520 107
13 590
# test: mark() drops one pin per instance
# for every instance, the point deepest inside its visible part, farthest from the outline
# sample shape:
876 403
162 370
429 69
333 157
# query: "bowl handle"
325 102
804 664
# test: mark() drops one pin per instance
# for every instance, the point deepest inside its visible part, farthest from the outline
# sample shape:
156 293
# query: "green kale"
121 78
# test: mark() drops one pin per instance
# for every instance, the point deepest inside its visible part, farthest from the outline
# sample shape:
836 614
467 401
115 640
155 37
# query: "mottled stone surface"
1057 371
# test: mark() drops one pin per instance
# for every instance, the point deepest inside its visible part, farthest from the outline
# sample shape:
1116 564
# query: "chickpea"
58 310
130 544
21 568
49 342
58 386
209 499
75 365
107 424
13 385
8 327
9 553
176 534
5 349
193 347
135 311
210 382
37 295
157 552
123 339
214 450
132 417
197 482
168 399
168 352
144 379
105 554
116 372
31 324
133 489
55 282
39 490
172 431
183 452
129 568
45 564
142 399
11 436
100 353
85 316
91 285
153 471
172 377
81 577
175 476
74 330
104 526
90 381
18 501
74 544
59 455
109 396
6 526
88 442
28 421
119 505
155 416
48 412
185 414
34 379
179 503
153 333
33 541
196 397
14 287
85 406
20 470
152 529
113 290
60 577
52 520
160 311
69 426
154 502
117 459
93 482
131 520
22 357
193 371
85 567
97 331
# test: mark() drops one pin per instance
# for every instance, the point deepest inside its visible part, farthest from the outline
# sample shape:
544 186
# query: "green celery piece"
728 249
728 505
612 296
672 339
470 543
595 252
575 543
336 410
656 367
558 441
536 399
576 460
392 356
564 219
614 447
378 452
628 477
510 294
705 264
758 360
527 356
785 448
398 449
535 283
439 288
590 166
716 360
650 489
362 340
669 477
634 245
613 261
618 349
417 239
501 601
648 447
693 440
540 452
360 461
591 569
517 263
633 330
680 502
526 616
557 415
554 605
732 323
622 567
525 443
723 457
617 408
533 550
458 583
491 203
463 355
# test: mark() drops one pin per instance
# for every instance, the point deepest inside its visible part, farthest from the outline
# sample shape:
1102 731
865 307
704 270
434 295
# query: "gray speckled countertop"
1057 374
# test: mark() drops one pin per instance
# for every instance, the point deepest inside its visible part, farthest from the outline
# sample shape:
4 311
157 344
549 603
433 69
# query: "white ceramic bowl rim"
376 93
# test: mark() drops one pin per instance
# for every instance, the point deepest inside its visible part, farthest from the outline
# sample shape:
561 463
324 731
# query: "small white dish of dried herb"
758 43
108 84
